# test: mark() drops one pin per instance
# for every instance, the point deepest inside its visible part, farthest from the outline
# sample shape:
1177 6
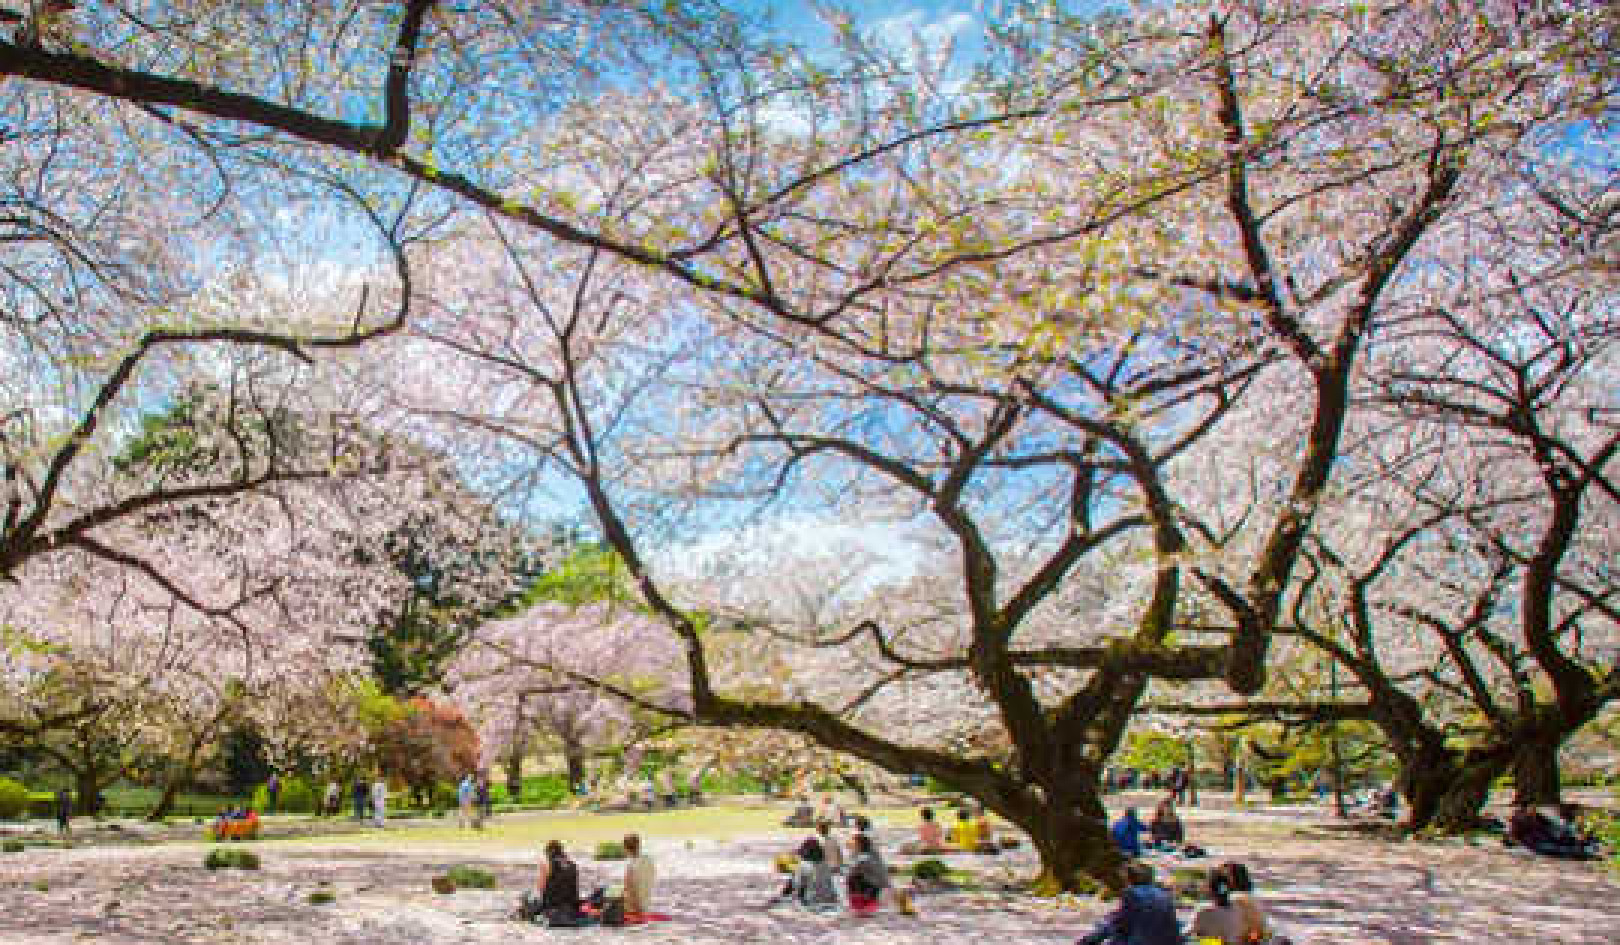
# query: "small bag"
613 911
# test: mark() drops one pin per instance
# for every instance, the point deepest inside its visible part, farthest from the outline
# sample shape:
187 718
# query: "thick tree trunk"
87 784
165 801
1459 808
574 758
1074 844
1447 791
514 773
181 776
1535 773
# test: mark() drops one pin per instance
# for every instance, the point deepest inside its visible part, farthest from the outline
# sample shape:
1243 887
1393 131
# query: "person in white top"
379 801
639 875
835 853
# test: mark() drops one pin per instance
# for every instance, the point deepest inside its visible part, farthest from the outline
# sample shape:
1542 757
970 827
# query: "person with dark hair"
638 877
868 877
1179 779
362 797
811 882
1146 914
1127 832
829 846
1165 830
557 885
1220 919
64 811
965 835
930 836
1255 925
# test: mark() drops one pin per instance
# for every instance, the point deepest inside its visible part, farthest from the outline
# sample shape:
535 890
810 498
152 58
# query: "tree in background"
428 744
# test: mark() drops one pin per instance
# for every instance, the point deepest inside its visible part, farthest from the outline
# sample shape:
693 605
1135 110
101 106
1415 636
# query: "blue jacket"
1127 833
1146 916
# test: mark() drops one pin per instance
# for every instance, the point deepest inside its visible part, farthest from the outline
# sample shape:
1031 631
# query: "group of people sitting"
1147 913
972 833
1565 838
1165 832
812 866
236 823
556 901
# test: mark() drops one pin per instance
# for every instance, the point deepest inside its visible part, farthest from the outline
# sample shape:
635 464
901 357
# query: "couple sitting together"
559 904
1147 913
810 878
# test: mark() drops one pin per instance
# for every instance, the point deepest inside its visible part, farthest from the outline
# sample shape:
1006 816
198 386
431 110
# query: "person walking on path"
379 801
464 801
64 811
362 797
1179 779
330 802
484 800
272 790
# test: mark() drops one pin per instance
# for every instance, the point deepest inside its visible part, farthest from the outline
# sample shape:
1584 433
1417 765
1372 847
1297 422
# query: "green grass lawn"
578 830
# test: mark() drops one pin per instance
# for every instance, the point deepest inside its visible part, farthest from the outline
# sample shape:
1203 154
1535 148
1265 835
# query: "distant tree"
430 743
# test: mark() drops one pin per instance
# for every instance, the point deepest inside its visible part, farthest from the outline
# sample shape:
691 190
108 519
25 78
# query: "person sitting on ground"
984 833
1233 915
1220 919
1388 803
811 882
556 884
1127 832
930 836
868 877
1253 917
1166 831
828 810
1535 831
638 877
1146 914
863 828
829 846
965 833
1570 830
803 815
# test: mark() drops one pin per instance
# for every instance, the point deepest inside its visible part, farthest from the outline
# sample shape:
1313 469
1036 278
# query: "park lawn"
579 830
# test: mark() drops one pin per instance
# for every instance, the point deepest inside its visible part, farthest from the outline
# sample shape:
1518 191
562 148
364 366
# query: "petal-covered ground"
1323 886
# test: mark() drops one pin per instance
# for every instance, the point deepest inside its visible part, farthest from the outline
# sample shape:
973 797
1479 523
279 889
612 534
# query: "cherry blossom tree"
1021 313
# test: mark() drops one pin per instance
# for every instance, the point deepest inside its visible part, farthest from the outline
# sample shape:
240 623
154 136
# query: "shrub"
321 897
13 799
610 850
470 877
930 869
297 796
12 846
444 885
224 858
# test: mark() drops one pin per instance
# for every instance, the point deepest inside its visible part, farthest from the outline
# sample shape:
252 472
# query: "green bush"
224 858
297 796
470 877
930 869
13 799
321 897
12 846
610 850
